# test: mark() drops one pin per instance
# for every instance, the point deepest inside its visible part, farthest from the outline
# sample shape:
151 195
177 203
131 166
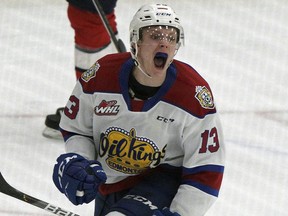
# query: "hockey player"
92 41
91 38
143 136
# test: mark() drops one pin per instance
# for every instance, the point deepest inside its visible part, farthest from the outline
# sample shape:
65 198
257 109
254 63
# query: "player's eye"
163 37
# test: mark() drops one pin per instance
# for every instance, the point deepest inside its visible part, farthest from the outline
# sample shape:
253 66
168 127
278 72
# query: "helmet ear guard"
133 49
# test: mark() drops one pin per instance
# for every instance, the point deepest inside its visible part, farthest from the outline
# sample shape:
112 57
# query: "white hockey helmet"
154 15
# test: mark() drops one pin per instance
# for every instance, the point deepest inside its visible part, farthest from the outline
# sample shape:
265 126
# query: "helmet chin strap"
138 65
136 62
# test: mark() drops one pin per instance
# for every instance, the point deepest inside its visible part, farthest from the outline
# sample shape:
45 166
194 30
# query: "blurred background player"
92 41
142 133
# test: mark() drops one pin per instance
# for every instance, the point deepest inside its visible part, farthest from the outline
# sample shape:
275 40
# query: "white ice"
239 47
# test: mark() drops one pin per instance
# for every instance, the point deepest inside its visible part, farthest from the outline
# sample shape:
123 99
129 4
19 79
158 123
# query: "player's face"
157 48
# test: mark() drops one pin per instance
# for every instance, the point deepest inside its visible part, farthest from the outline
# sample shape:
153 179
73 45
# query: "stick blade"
4 186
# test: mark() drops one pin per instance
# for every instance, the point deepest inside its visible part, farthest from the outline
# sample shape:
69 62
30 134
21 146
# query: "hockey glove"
165 212
77 177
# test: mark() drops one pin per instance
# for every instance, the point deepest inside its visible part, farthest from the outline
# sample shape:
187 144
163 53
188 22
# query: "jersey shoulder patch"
191 92
204 96
91 72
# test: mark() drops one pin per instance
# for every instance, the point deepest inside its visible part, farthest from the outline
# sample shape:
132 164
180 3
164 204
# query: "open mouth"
160 60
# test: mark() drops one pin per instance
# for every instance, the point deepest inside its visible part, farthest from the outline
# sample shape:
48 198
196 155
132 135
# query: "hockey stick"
118 43
11 191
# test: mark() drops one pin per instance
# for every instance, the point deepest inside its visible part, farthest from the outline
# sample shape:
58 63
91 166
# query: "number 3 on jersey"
72 107
206 138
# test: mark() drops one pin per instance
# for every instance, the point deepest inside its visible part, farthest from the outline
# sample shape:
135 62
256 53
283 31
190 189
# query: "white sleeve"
77 123
82 146
198 202
203 167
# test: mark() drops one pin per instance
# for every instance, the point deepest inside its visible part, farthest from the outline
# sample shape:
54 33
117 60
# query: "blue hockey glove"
77 177
165 212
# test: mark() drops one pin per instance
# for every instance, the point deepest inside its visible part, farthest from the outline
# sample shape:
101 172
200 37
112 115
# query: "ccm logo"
165 120
58 211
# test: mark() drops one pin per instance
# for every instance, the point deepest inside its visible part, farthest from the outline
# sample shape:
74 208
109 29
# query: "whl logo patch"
107 108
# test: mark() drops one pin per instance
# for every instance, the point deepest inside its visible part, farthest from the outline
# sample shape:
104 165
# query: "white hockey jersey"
179 127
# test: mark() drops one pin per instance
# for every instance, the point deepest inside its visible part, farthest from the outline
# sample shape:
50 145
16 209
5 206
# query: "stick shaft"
106 23
11 191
